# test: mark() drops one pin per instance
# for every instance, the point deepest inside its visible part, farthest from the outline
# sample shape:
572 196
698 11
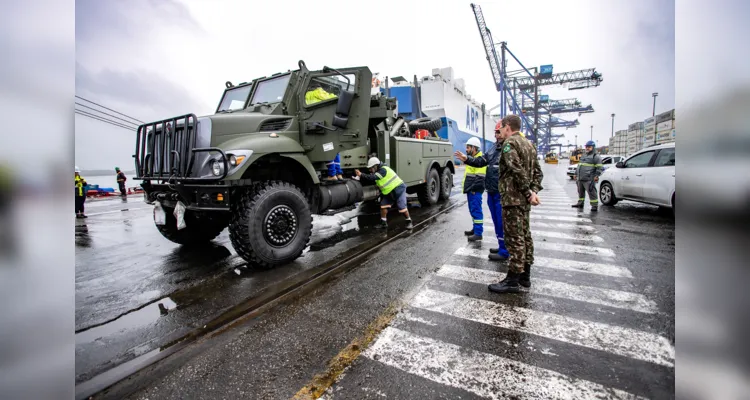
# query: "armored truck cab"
258 164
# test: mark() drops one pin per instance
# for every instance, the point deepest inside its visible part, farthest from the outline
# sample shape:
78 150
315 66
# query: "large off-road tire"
429 192
271 224
430 124
446 183
607 194
200 227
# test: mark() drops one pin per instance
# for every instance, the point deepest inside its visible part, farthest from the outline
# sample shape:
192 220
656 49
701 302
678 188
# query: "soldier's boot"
469 232
507 285
578 205
525 278
594 207
474 238
497 257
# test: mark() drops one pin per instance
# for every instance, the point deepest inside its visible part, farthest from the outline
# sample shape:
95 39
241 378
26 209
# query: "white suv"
647 176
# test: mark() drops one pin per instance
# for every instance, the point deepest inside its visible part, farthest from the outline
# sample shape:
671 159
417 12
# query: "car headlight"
232 161
216 167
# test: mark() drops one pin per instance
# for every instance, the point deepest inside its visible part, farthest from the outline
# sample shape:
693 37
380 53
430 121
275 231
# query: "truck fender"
430 165
262 145
305 162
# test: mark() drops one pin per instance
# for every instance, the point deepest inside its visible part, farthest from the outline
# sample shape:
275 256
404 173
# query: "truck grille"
164 149
275 125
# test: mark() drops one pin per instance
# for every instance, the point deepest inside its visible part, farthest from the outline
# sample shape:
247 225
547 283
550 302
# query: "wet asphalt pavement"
598 319
137 293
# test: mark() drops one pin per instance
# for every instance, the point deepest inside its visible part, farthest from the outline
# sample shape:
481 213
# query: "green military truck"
258 164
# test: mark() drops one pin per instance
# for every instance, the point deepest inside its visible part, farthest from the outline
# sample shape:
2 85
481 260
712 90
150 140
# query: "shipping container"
649 139
635 126
667 136
649 130
649 122
664 126
665 116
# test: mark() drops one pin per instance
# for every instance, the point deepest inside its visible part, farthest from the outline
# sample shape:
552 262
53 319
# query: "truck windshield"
271 91
234 99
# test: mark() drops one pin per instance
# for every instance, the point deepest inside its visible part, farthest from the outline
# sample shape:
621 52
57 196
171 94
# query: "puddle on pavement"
133 320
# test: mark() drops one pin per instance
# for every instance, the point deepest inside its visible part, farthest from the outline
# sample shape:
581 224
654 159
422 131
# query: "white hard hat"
474 141
373 162
78 170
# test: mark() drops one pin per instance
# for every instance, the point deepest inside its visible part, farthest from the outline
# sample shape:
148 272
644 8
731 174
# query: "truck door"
330 123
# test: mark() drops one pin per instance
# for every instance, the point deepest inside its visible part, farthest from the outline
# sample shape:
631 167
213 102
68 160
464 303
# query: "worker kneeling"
391 187
473 185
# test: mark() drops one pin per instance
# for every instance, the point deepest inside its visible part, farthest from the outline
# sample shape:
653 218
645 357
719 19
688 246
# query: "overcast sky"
153 59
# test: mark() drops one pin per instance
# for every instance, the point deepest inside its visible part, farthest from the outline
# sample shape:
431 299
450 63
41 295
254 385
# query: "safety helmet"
591 143
498 125
474 141
374 161
117 168
78 170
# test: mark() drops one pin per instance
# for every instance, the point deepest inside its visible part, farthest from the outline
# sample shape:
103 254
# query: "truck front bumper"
197 197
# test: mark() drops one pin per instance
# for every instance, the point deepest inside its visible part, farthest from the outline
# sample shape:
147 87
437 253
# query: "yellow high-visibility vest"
387 183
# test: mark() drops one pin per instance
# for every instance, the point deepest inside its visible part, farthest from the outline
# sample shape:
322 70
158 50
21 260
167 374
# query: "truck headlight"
216 167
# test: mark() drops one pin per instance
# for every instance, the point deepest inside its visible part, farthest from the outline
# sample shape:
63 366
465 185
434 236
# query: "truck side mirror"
343 106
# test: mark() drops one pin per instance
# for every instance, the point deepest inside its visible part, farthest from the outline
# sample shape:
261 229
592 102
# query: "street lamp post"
576 141
653 112
613 124
592 132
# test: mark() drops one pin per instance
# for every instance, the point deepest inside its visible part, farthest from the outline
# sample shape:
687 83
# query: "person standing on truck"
473 185
316 94
80 183
518 183
392 188
590 167
121 181
490 161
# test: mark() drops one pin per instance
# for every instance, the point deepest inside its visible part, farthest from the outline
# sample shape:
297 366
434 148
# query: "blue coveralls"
491 160
474 187
334 167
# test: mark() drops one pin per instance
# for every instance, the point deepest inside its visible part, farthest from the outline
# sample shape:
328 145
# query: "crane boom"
489 47
587 77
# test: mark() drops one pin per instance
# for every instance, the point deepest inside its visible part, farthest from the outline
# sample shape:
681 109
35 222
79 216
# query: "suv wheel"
607 194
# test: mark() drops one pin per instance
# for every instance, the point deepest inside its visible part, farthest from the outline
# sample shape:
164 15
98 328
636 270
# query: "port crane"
527 87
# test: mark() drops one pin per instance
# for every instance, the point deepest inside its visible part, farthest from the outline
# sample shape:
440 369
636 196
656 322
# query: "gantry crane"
510 87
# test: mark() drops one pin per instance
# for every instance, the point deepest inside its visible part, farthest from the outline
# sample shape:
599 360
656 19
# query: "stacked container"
620 145
649 132
635 138
665 127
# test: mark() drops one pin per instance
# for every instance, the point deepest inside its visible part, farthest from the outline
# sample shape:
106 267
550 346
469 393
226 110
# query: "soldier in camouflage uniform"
520 180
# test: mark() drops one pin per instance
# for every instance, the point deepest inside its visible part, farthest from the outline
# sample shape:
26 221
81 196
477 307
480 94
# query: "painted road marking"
554 225
557 218
559 235
480 373
575 248
588 294
557 263
117 211
614 339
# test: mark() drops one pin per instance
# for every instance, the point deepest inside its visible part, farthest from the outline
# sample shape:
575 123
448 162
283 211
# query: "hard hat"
498 125
591 143
474 141
78 170
117 168
373 162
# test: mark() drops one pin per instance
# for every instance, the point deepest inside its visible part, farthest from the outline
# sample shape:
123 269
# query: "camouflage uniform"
520 173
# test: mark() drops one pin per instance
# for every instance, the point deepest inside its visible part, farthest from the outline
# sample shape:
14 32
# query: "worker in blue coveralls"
334 169
491 162
473 185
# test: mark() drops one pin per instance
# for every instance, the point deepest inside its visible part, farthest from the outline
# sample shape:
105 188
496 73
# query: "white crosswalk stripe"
605 297
479 373
566 241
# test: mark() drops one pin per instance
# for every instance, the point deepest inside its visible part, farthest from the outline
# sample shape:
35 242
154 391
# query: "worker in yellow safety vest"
473 185
392 188
80 184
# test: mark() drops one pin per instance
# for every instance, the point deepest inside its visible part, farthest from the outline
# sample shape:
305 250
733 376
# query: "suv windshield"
234 99
271 91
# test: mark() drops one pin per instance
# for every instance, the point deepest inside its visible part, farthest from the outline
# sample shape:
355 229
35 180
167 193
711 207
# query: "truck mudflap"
166 150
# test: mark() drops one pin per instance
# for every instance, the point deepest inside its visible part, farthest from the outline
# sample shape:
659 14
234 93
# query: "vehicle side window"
639 161
665 158
324 88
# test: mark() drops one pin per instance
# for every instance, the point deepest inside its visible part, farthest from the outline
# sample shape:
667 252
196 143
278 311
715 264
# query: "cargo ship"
440 95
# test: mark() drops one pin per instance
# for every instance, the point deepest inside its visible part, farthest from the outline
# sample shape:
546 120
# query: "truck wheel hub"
280 225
